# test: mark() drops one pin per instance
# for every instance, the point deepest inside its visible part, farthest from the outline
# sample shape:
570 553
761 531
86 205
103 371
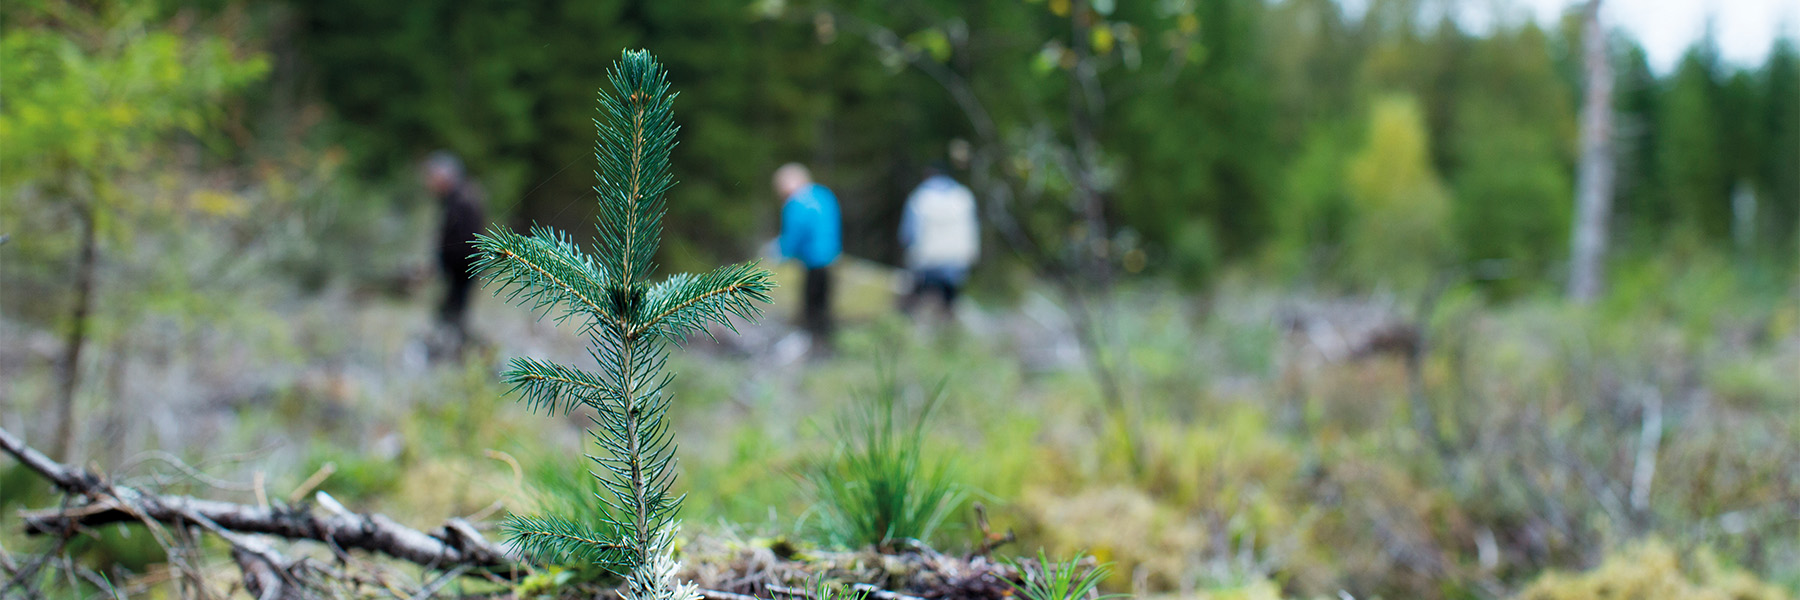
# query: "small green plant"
820 588
877 487
629 323
1061 580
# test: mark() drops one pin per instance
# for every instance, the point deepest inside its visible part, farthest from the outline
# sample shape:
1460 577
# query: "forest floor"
1273 448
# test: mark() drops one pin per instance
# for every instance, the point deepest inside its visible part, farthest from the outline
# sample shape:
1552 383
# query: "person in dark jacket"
460 203
812 233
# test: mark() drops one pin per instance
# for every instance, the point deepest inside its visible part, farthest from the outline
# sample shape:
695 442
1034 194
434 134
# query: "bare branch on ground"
457 543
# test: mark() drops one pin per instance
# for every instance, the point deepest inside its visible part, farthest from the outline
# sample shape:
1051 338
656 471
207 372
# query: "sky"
1745 29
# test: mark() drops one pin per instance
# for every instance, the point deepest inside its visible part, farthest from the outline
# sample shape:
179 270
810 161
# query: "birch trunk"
1594 185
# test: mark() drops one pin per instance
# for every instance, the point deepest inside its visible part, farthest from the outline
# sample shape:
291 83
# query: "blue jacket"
811 230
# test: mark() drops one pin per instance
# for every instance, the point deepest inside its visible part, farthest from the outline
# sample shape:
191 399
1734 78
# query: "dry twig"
719 595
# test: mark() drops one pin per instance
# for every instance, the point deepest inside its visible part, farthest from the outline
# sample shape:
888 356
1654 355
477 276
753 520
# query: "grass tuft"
877 488
1061 580
820 588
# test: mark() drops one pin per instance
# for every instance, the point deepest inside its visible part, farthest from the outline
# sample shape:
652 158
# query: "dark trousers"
456 242
815 309
944 282
457 283
924 287
456 298
451 314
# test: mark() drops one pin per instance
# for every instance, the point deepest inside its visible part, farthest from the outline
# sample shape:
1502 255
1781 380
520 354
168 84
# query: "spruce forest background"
1272 302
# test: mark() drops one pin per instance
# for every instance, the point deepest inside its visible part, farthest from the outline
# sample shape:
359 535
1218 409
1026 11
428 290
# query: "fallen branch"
73 481
719 595
264 578
881 594
457 543
457 548
454 544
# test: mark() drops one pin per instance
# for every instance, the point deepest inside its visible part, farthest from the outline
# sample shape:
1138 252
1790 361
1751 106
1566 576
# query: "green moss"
1653 571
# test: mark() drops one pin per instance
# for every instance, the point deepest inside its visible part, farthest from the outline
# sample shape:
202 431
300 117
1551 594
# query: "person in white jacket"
941 238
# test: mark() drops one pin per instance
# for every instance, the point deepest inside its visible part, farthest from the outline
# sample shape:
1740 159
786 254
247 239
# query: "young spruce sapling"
629 321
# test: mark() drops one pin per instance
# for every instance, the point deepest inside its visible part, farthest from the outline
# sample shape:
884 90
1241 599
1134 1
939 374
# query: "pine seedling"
629 323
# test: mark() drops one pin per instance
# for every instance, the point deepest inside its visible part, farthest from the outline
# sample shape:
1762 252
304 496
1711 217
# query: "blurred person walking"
459 201
941 237
811 232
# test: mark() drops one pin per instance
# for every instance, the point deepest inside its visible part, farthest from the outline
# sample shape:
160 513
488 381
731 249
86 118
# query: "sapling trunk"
70 378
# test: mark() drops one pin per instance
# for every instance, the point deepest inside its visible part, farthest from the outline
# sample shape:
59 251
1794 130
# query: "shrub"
1399 231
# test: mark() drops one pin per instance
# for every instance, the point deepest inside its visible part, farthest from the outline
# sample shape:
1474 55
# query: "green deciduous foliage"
92 97
1399 228
628 321
92 92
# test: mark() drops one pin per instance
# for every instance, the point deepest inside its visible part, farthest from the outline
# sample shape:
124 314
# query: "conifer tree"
629 322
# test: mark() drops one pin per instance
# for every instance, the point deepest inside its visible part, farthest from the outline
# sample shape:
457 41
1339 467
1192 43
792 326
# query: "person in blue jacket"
812 233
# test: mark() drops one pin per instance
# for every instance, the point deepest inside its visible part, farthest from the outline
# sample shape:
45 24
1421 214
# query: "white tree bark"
1594 184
